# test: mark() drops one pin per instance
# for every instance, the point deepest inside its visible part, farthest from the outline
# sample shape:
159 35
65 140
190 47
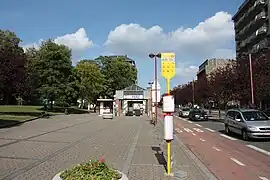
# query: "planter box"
57 176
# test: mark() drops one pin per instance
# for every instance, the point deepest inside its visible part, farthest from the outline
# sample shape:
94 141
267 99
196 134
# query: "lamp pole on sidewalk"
155 56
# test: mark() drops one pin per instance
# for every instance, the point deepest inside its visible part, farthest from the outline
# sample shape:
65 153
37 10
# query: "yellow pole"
168 142
169 158
168 86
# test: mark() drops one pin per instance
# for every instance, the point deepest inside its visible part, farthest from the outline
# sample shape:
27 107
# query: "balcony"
256 22
262 30
255 9
253 38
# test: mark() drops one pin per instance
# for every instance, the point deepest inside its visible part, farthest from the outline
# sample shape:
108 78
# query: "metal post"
193 93
169 142
156 116
251 81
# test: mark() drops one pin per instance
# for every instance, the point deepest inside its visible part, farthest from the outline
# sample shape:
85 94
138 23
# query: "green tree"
12 70
119 73
32 80
91 79
54 70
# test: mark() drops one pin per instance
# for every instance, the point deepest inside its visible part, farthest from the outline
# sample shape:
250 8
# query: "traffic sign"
168 65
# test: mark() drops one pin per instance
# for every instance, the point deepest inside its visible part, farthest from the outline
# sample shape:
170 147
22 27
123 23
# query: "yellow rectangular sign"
168 65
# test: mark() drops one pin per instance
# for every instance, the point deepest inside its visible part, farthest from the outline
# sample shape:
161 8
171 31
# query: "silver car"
249 123
184 112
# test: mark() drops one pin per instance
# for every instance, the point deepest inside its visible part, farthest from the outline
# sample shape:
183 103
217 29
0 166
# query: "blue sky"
136 28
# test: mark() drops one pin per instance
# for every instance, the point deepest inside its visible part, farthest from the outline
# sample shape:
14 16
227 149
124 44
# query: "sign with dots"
168 65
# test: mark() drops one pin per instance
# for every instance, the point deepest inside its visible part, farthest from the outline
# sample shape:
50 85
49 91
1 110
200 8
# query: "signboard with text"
168 65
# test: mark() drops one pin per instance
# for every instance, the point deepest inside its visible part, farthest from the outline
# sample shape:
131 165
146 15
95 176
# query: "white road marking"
258 149
263 178
198 130
237 162
216 149
188 130
180 118
198 125
228 137
190 122
211 130
193 134
202 140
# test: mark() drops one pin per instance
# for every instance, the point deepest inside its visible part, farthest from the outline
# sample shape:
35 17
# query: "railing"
256 3
261 15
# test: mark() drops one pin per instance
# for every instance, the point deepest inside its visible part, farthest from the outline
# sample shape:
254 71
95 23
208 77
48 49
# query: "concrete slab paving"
42 148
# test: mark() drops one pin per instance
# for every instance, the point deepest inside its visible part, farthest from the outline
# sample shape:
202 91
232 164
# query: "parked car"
198 115
249 123
107 114
184 112
130 111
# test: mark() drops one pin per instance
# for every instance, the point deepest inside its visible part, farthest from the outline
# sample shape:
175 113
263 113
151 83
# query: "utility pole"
155 56
193 93
251 80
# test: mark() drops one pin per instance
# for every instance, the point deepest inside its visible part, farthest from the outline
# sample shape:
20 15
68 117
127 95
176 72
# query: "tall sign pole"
168 72
251 81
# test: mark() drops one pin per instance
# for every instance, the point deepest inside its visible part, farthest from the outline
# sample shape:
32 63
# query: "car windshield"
186 109
255 116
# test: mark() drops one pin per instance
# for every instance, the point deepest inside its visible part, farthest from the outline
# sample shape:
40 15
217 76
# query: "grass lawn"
20 109
15 118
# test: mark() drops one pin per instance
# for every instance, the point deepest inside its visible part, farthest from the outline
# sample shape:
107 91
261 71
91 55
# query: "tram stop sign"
168 65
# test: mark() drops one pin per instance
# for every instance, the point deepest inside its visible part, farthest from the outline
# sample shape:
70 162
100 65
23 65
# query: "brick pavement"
41 148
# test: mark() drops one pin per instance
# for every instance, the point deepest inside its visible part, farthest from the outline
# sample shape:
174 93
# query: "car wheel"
227 130
244 135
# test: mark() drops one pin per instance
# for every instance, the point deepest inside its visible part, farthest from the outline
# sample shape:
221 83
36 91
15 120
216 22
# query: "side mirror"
238 120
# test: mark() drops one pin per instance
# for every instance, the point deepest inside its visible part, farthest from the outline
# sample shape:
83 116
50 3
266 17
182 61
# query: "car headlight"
252 128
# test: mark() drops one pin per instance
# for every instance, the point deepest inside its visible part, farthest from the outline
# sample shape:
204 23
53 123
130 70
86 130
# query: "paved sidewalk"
41 148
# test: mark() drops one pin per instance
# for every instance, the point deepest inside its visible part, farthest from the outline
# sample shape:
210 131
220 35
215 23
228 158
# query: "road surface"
226 156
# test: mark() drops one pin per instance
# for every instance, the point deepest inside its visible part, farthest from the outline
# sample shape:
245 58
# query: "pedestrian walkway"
41 148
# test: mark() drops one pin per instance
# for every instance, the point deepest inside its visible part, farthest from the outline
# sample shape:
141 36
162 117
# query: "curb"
216 119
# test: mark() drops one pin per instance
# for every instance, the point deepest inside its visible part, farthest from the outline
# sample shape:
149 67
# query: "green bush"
92 170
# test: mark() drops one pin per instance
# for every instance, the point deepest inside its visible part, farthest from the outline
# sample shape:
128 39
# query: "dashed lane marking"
216 149
202 140
198 130
211 130
188 130
228 137
198 125
263 178
258 149
193 134
237 162
190 122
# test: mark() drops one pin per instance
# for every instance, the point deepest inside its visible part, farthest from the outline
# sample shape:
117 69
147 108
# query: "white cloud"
206 39
77 41
32 45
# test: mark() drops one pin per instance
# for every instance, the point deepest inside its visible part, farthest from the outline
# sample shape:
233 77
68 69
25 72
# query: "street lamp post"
150 102
155 56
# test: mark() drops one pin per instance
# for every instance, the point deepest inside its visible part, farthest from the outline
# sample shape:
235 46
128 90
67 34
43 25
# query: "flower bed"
92 170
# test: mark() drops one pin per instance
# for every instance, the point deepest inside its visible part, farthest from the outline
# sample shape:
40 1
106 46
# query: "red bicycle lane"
225 158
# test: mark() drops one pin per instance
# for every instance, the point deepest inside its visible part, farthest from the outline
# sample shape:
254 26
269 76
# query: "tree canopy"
46 72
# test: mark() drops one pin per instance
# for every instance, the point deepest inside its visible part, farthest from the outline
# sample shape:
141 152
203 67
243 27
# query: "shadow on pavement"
8 123
160 156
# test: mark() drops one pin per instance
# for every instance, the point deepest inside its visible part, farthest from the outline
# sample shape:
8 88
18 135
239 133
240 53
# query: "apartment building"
252 26
211 65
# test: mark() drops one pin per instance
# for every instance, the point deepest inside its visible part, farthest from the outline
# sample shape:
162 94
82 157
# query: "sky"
195 30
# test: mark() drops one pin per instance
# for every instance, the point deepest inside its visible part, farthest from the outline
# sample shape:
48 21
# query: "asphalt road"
228 157
219 127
